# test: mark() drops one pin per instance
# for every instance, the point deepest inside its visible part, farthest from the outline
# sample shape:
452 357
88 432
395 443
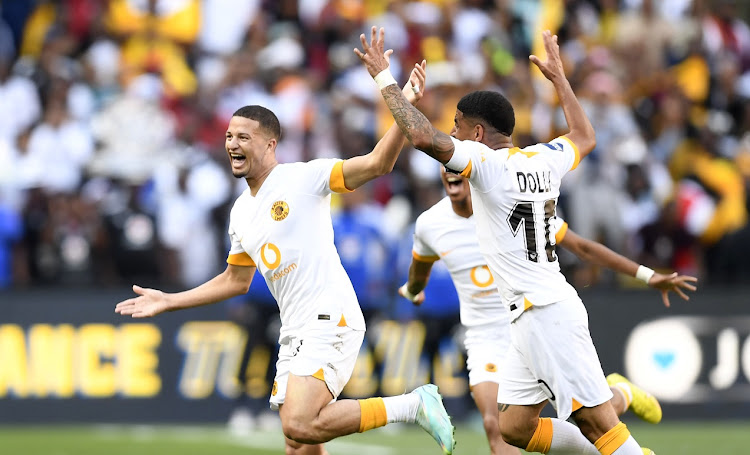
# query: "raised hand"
149 302
414 88
418 299
552 67
372 54
673 282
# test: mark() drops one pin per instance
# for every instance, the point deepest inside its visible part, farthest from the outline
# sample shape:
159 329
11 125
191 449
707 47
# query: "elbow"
421 141
588 143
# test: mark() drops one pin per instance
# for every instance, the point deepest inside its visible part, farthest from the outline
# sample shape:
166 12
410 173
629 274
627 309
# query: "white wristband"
384 79
644 273
405 292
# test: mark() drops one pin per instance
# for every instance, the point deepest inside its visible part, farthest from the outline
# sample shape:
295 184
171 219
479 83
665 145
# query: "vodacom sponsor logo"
481 276
271 257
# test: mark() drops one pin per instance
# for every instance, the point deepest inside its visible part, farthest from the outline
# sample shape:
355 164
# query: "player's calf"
518 424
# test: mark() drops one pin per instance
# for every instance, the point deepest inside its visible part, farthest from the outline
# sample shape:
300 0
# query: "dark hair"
490 107
263 116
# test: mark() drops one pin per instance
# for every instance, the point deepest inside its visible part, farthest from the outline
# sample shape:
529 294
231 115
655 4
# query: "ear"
478 133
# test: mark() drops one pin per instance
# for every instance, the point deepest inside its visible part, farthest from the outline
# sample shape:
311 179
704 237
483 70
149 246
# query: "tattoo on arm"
502 407
415 126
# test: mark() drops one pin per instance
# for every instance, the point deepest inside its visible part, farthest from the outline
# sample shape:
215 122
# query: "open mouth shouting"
238 160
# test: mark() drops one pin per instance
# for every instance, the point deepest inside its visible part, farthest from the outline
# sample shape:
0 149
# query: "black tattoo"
415 126
502 407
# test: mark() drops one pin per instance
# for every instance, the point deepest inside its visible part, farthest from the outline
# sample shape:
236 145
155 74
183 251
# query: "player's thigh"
486 348
485 397
305 397
316 363
562 360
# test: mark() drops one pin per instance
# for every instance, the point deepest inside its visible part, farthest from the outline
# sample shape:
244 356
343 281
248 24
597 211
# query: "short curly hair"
490 107
265 117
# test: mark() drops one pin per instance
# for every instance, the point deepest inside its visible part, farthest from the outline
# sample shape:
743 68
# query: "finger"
681 294
421 69
535 60
421 75
365 45
359 53
138 290
127 311
381 37
689 278
387 55
125 304
687 286
665 298
373 33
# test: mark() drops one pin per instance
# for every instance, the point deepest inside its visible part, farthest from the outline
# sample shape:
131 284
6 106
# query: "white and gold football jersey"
514 194
285 230
441 234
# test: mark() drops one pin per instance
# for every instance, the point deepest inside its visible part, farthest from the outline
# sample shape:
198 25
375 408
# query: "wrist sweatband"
405 292
384 79
644 273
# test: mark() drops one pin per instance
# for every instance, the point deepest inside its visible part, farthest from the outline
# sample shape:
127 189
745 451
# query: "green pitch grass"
698 438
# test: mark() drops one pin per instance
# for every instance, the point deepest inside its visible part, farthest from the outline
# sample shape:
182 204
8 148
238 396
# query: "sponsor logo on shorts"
491 367
275 389
279 210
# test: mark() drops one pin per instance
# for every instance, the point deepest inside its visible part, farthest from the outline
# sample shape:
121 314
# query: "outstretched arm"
359 170
419 275
234 281
581 132
598 254
409 119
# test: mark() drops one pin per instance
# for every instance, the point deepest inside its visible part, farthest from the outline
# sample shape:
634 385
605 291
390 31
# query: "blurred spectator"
154 33
10 233
19 100
112 116
364 252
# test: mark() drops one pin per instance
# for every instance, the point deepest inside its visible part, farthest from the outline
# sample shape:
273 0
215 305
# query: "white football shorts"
321 345
486 346
552 357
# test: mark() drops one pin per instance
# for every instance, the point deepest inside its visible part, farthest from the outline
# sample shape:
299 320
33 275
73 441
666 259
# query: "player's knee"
491 422
518 432
298 430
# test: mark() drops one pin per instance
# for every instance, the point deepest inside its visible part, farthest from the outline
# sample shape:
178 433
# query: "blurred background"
113 172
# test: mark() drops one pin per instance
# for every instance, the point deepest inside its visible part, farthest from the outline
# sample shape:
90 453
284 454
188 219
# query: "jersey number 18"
523 214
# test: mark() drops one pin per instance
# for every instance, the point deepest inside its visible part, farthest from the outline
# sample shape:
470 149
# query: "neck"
256 181
463 208
498 141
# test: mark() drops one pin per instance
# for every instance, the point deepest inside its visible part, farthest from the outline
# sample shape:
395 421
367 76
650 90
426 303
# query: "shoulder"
434 215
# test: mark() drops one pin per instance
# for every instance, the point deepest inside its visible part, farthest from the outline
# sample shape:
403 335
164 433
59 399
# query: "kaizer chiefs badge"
279 210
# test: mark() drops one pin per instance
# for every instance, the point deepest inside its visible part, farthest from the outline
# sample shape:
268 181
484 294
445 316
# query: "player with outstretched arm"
281 225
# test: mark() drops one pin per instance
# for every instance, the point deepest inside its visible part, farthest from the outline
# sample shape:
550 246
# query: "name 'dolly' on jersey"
533 182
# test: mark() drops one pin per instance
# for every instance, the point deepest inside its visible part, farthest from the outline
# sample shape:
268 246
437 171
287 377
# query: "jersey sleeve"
563 155
477 162
558 227
326 175
237 254
421 251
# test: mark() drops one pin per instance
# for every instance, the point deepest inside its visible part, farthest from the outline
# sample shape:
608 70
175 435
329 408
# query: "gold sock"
372 414
613 439
542 438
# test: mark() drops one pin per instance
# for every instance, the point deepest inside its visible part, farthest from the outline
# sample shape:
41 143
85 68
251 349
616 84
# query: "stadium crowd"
112 119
